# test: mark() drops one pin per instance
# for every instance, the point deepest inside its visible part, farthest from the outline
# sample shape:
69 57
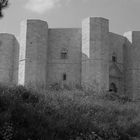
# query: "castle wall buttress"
133 64
33 52
95 49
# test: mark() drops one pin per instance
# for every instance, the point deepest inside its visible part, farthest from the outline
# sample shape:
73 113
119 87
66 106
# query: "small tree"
3 4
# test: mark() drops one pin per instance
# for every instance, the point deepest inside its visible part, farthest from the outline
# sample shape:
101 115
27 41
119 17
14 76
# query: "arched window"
113 87
64 54
114 57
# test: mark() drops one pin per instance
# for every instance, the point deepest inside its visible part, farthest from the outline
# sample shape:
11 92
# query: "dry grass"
69 112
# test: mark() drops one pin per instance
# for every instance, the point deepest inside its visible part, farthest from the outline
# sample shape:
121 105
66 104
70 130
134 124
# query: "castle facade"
90 56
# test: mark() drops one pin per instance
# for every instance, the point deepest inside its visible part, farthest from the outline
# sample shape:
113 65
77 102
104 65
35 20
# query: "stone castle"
89 56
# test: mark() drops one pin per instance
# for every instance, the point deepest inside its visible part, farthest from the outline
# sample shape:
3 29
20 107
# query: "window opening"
113 87
114 59
64 77
64 54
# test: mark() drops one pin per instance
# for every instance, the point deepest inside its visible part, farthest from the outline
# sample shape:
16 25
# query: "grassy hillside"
46 114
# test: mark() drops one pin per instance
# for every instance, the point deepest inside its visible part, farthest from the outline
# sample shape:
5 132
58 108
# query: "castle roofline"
8 34
67 28
96 18
33 20
116 34
130 32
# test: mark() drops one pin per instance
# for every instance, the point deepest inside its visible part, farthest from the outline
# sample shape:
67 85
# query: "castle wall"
95 49
70 41
116 69
89 56
9 49
33 52
128 63
134 65
22 53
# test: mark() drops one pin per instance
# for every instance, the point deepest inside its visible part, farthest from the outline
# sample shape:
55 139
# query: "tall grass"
42 114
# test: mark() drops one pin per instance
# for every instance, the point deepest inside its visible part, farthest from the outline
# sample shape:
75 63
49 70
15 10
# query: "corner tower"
33 52
132 55
9 55
95 53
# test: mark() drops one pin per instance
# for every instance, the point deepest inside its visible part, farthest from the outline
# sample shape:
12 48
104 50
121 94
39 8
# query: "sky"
123 15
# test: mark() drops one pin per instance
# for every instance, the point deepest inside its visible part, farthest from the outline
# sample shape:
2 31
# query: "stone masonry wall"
128 65
134 67
70 41
116 69
9 50
33 52
22 53
95 67
89 56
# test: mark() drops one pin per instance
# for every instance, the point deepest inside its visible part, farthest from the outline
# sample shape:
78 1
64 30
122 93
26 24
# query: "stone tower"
133 64
33 52
9 53
95 53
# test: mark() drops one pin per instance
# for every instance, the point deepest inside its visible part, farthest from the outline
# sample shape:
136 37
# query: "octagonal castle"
90 56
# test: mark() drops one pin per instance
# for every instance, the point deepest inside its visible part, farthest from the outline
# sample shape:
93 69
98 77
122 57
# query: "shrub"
116 96
65 114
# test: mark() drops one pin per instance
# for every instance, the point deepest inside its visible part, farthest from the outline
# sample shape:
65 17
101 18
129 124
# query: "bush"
65 114
115 96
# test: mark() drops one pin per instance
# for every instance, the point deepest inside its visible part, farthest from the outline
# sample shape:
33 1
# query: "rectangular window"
114 59
64 77
63 55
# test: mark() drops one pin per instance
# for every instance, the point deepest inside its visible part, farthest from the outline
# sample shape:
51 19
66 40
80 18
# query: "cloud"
41 6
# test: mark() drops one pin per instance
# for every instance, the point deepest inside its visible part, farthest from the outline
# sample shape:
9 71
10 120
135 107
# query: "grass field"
48 114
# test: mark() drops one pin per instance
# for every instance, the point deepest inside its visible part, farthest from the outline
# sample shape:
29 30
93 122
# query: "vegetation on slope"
27 114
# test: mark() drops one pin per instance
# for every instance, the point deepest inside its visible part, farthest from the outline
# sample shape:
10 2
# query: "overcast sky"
124 15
